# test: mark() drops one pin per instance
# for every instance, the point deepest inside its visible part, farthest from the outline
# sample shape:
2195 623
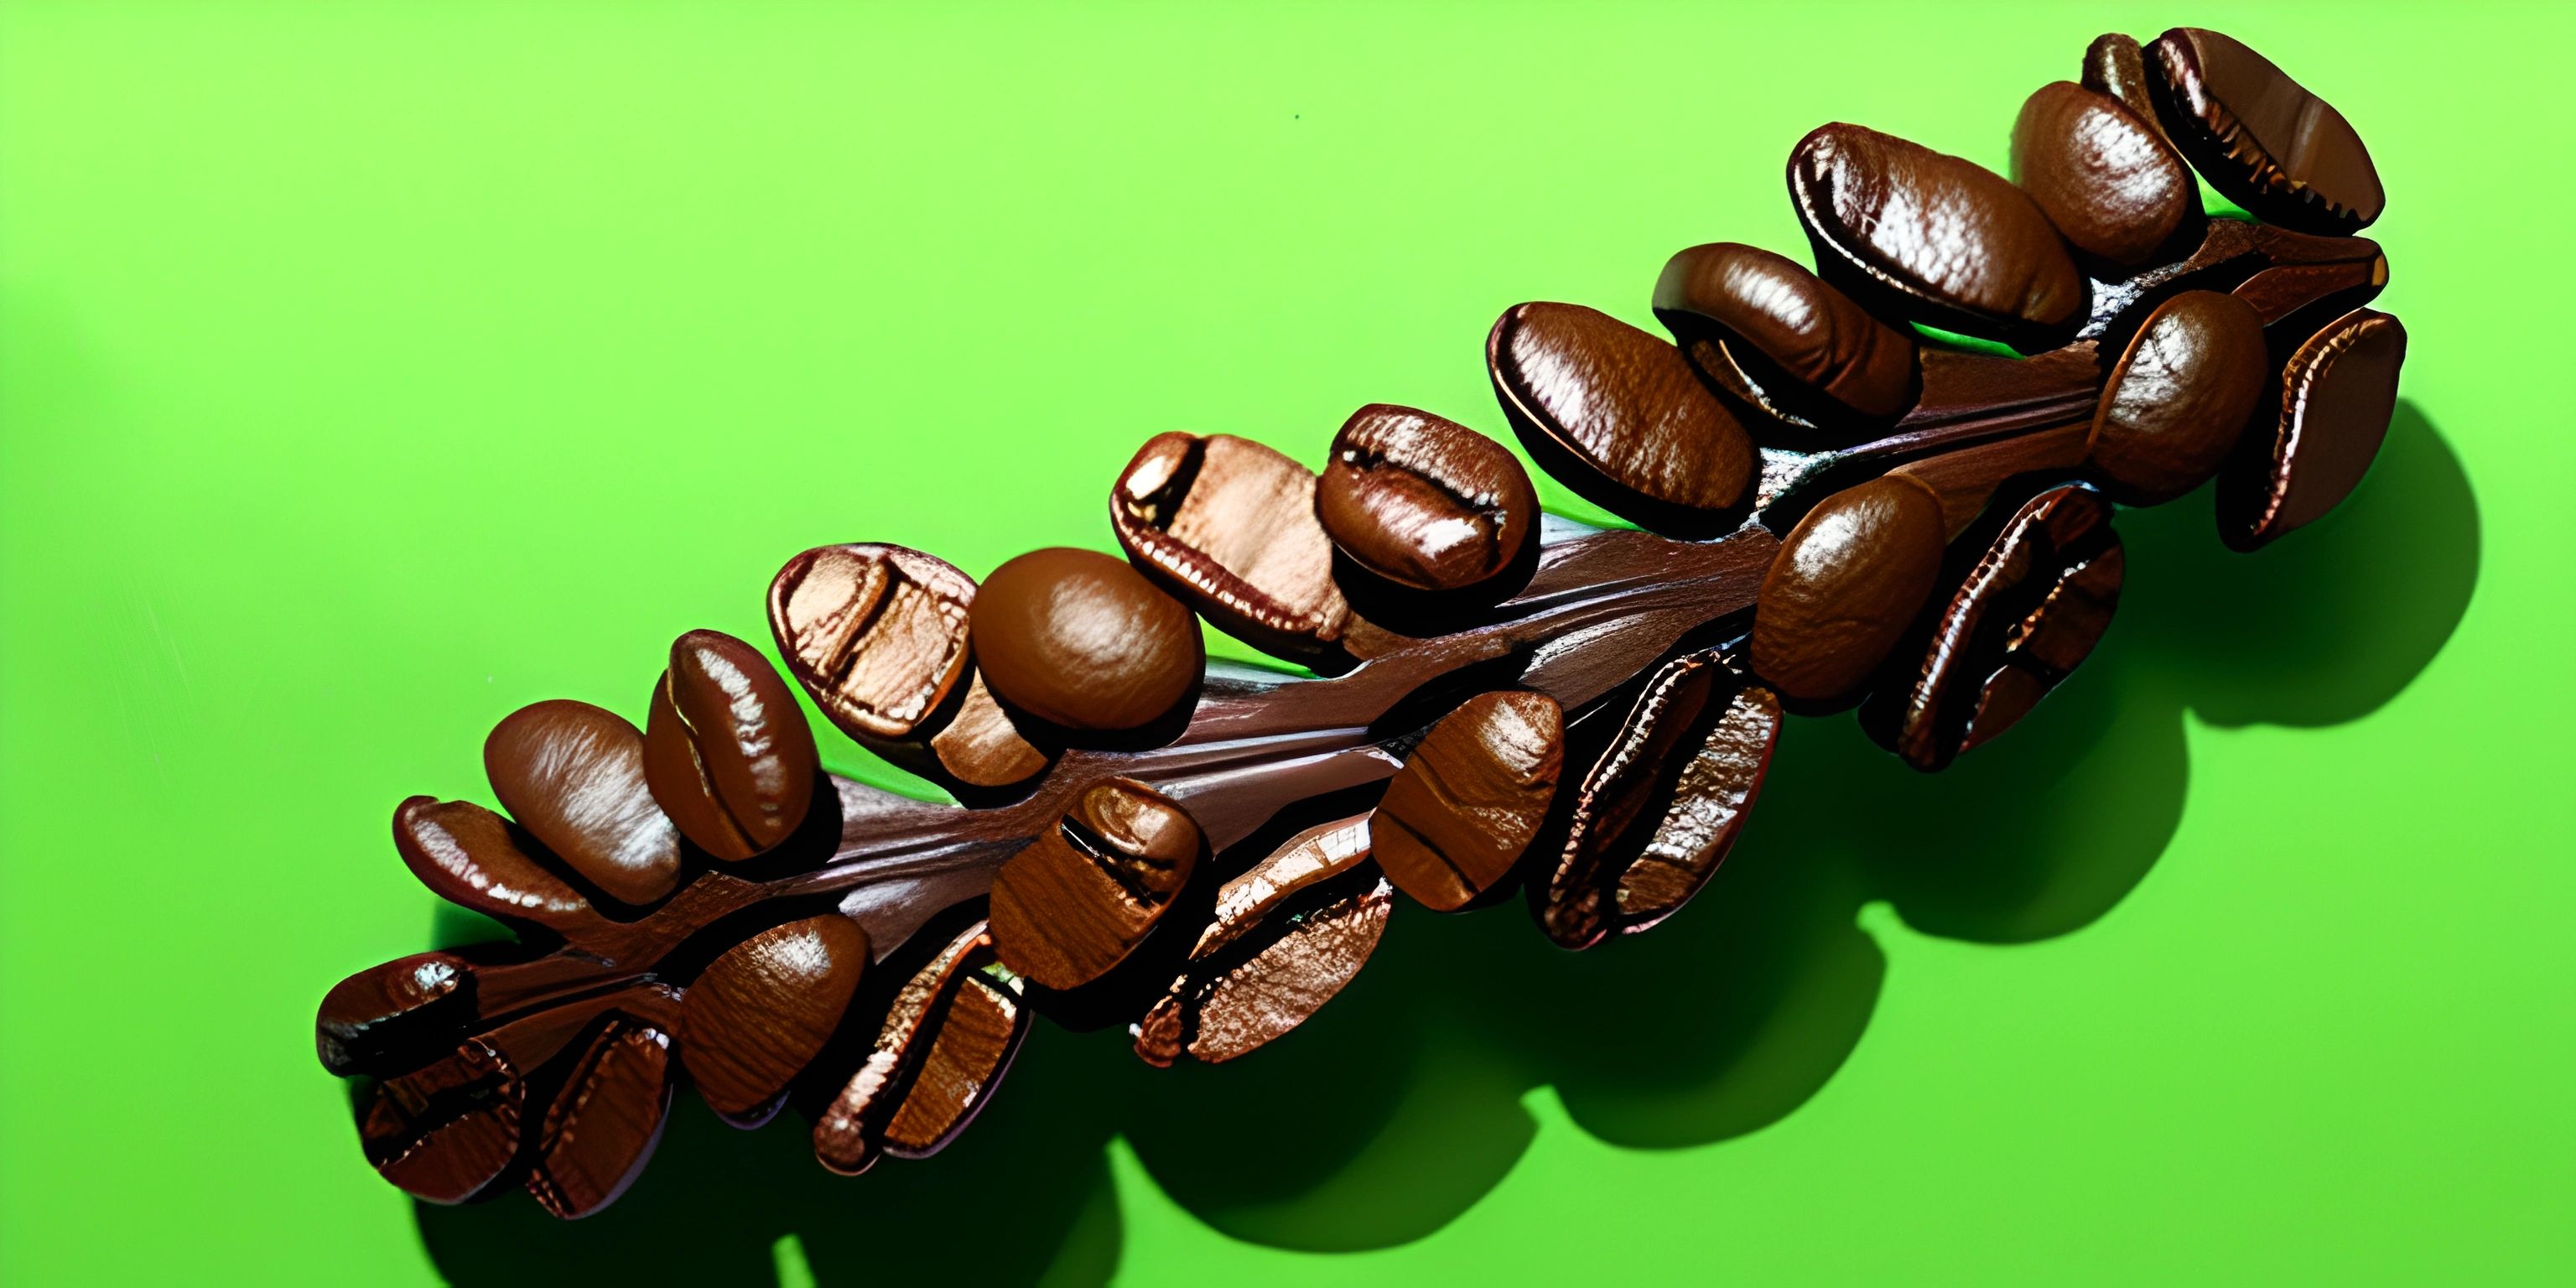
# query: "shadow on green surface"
1398 1107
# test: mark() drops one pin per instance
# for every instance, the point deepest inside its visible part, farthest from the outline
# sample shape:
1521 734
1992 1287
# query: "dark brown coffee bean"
1238 1003
1470 798
2336 398
2114 65
1080 639
2178 397
979 1031
365 1014
2031 607
979 746
1424 502
1932 237
1711 796
573 775
2112 185
1809 346
761 1011
1078 899
877 634
849 1134
726 752
1231 525
601 1128
476 859
1845 585
1622 405
2259 137
447 1132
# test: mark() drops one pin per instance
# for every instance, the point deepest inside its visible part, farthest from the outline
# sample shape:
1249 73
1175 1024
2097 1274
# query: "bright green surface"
371 372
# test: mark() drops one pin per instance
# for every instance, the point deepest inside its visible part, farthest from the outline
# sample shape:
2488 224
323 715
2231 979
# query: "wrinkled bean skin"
875 633
2030 608
2115 65
476 859
2336 397
1231 525
1079 639
1078 899
1932 238
1622 407
573 775
2178 397
1712 794
849 1135
1846 584
601 1128
1220 1014
1830 361
726 751
1425 502
2114 188
2259 137
764 1008
1470 798
980 1029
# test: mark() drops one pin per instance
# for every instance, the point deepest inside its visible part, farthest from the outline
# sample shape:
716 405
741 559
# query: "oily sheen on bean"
1807 346
1470 798
2112 185
1080 897
1622 411
1082 640
2336 397
2178 397
1423 501
875 633
764 1008
726 751
476 859
600 1130
852 1131
2261 138
2115 65
1847 582
573 775
1231 525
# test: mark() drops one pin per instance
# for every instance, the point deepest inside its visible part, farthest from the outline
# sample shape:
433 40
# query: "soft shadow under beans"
1398 1106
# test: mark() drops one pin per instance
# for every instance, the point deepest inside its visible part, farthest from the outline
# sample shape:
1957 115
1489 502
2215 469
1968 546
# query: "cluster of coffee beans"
1835 512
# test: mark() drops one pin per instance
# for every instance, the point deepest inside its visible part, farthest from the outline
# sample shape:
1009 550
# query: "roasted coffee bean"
1080 639
2112 185
2114 65
1711 796
1470 798
362 1014
760 1012
573 775
877 634
1232 525
979 1032
850 1133
1621 405
1078 899
2336 397
1425 502
979 746
2178 397
476 859
1806 346
726 752
2259 137
447 1132
1236 1004
2031 607
1845 585
1932 237
1302 862
601 1128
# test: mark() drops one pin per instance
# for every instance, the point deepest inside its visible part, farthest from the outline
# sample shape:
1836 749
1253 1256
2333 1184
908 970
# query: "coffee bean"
448 1131
1424 502
374 1011
2114 188
1933 238
2336 397
2027 611
1845 585
1080 639
2178 397
877 634
979 746
1231 525
1470 798
1802 343
979 1031
726 752
573 775
601 1128
1302 862
2259 137
763 1009
1234 1003
2114 65
1078 899
1711 796
476 859
1634 428
849 1134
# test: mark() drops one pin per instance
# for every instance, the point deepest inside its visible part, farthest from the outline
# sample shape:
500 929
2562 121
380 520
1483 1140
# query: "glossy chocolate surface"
2115 189
726 751
1080 639
2260 137
1423 501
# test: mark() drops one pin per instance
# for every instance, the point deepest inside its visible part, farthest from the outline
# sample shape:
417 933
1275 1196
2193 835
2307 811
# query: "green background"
372 370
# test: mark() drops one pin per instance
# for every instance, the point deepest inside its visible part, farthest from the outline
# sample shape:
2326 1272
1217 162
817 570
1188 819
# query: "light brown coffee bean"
1236 1003
1470 798
726 751
1845 585
1425 502
2178 397
1804 345
1082 640
2261 138
1078 899
875 633
2336 398
979 1031
760 1012
979 746
2112 185
851 1132
1619 411
1231 525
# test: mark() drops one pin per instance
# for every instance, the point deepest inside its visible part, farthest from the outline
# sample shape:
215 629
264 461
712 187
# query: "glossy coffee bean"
2178 397
760 1012
476 859
1231 525
1845 585
2029 609
1078 899
1424 502
573 775
849 1135
1080 639
877 634
2272 147
1470 798
600 1130
2336 398
1712 793
979 1030
726 751
2112 185
1932 237
1807 346
2114 65
449 1131
376 1010
1622 407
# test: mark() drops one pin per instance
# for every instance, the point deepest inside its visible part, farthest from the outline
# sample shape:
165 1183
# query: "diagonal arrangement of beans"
1836 510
